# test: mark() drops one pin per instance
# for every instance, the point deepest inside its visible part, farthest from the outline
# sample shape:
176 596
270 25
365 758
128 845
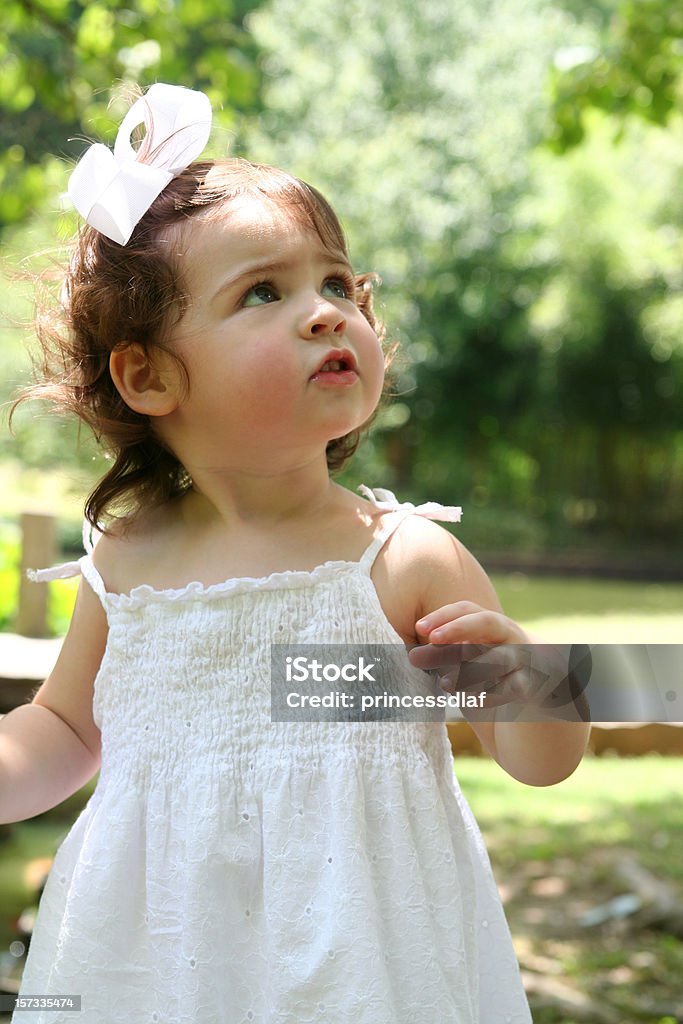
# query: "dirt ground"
586 953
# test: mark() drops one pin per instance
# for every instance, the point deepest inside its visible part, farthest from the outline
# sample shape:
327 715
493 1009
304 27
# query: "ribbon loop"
388 502
113 191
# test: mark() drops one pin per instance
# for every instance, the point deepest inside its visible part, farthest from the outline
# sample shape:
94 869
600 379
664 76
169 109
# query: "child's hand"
476 649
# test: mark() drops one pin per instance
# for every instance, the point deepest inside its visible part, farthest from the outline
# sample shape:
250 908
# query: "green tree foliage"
636 68
65 68
542 369
607 320
419 126
59 58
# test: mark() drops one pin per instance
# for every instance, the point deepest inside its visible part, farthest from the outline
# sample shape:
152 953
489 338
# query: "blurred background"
513 171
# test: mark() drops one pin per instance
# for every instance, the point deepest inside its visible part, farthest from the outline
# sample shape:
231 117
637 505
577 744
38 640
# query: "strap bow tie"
113 191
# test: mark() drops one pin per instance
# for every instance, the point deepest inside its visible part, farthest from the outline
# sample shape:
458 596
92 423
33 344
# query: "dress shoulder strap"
82 566
399 511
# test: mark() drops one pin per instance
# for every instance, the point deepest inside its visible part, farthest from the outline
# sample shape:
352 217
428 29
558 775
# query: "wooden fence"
38 550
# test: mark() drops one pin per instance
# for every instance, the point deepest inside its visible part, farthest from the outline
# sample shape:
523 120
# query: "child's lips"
335 378
338 369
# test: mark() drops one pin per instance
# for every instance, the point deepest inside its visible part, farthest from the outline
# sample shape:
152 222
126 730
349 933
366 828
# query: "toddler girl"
228 867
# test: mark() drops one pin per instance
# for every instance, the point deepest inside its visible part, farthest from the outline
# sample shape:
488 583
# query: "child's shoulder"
424 566
426 550
128 546
418 542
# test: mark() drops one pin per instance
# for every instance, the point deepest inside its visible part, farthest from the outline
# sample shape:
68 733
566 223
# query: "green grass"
593 610
534 597
632 803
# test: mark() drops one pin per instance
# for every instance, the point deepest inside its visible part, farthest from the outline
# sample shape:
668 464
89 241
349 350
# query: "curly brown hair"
114 294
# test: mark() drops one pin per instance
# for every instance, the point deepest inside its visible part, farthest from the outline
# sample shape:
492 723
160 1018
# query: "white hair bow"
113 191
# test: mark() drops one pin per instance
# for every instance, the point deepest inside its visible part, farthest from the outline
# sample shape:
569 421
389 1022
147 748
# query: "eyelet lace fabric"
229 869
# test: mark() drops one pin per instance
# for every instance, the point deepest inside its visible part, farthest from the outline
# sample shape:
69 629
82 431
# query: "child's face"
268 306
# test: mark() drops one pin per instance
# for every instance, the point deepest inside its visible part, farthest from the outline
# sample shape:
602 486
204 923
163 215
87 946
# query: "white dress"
229 868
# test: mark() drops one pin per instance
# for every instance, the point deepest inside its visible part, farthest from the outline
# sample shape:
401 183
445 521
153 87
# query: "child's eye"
340 287
260 294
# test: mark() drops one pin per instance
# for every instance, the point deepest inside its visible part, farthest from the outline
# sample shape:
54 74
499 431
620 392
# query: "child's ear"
148 382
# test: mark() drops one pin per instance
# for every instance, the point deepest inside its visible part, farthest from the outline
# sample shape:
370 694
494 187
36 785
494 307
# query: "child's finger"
493 666
480 627
443 656
447 613
480 660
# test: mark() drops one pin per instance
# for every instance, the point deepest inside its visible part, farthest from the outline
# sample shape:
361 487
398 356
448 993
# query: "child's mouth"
339 369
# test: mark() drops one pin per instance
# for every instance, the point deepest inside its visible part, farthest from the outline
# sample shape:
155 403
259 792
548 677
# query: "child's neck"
266 498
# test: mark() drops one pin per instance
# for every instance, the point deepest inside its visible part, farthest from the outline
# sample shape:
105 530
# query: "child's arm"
51 747
458 605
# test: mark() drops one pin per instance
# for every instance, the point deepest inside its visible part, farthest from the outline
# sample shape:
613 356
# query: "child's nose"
324 318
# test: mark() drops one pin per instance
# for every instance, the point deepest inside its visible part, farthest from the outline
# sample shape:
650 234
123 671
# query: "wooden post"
38 550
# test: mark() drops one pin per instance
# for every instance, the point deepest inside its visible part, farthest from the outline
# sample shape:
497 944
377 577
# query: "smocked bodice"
201 692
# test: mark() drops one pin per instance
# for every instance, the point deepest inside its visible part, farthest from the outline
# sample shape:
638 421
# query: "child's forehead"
255 220
258 219
249 225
